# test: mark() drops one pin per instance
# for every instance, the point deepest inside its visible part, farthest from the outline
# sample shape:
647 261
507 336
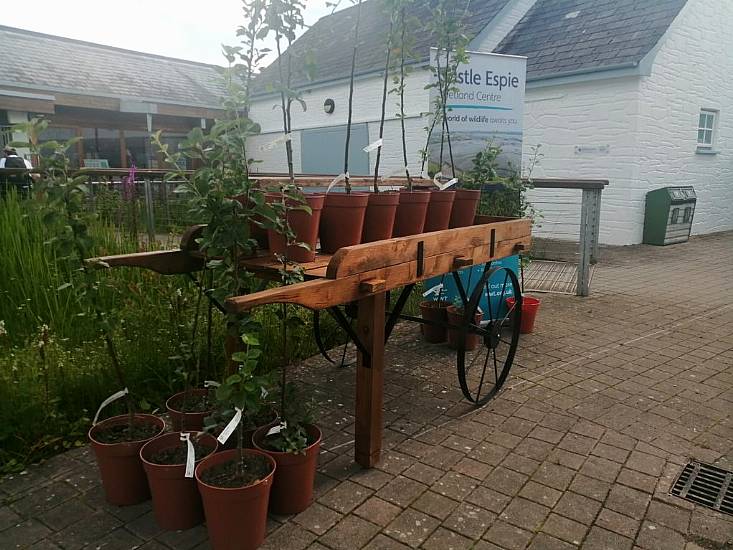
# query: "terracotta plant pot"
411 212
176 500
236 518
456 317
303 224
439 210
292 491
189 421
342 220
380 216
120 468
435 311
464 207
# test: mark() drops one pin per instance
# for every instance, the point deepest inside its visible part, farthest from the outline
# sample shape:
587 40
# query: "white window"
706 128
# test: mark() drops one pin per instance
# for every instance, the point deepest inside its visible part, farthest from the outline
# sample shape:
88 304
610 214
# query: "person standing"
21 181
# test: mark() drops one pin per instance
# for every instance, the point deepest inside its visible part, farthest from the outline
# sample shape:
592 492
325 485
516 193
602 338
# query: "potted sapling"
413 203
169 461
235 484
284 19
116 441
448 28
382 206
294 442
342 221
188 409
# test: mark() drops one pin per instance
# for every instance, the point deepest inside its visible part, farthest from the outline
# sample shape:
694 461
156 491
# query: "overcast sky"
188 29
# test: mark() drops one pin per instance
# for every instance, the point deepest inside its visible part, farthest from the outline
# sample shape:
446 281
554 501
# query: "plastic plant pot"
380 216
342 220
439 210
530 307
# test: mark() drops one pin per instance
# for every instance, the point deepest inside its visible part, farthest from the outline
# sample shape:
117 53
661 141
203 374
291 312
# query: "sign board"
485 107
496 294
96 163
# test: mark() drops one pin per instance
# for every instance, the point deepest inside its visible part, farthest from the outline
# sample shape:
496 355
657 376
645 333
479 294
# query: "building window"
706 128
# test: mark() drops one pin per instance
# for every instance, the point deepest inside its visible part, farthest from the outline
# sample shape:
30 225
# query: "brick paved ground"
609 398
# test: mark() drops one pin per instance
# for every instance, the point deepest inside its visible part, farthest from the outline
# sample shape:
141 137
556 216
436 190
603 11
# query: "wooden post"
370 380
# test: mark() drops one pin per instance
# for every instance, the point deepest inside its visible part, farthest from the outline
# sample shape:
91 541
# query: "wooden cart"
363 275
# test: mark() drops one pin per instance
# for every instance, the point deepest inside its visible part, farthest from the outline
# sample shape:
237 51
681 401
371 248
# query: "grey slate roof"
556 39
330 39
565 36
61 64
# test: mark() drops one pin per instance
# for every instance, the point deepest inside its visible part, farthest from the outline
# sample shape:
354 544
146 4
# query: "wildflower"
44 339
3 331
178 292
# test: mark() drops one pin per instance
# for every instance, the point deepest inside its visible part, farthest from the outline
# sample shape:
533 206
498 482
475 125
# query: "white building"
633 91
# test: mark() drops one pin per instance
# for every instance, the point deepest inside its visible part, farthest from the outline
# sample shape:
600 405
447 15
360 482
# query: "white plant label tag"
434 290
227 432
110 399
277 429
341 177
374 145
211 384
190 455
282 139
436 179
448 184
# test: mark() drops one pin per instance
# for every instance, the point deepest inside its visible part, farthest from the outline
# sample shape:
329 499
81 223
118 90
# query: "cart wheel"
318 337
483 371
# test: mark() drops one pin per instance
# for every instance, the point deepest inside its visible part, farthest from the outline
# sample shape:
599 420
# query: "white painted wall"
592 115
692 70
367 109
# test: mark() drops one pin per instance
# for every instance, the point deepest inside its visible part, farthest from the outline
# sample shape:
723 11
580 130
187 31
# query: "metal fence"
6 135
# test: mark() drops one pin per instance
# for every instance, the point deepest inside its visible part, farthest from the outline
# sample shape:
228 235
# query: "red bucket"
530 306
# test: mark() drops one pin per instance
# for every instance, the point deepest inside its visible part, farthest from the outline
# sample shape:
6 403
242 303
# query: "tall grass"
47 399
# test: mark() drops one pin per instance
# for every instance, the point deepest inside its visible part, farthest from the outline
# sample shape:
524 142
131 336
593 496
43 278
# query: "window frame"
712 116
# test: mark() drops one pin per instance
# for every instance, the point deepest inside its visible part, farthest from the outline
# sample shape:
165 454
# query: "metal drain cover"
706 485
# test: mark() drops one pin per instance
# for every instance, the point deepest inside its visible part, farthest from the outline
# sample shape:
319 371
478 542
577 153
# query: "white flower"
178 292
3 330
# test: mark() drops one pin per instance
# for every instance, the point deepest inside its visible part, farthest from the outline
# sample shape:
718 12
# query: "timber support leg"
370 380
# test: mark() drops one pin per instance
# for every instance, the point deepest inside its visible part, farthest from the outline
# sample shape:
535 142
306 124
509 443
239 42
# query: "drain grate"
706 485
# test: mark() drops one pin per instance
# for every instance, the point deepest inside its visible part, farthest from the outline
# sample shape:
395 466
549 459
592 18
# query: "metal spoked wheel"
482 371
345 314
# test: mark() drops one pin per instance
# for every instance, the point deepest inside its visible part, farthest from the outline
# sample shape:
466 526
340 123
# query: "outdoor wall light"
329 106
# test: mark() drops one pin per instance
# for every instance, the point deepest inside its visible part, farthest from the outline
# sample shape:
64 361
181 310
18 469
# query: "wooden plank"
165 262
325 293
365 257
370 381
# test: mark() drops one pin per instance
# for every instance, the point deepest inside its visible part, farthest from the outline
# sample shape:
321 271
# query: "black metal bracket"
394 315
344 323
420 258
493 243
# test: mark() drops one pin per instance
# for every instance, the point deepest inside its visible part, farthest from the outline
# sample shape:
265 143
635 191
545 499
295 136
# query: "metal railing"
568 215
6 136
